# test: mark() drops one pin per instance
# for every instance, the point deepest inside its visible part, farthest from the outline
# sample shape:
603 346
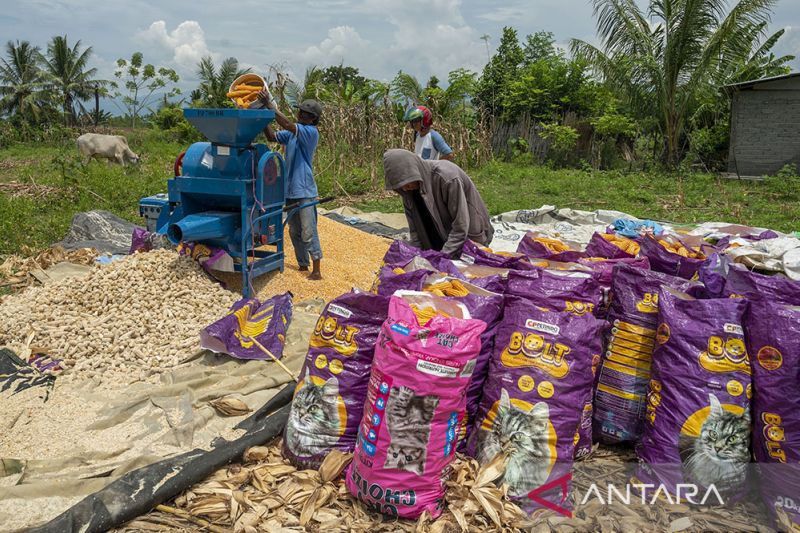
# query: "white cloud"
502 14
429 37
187 42
343 44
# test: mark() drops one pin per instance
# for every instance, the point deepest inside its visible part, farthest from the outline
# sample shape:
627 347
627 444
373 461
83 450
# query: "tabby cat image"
524 436
720 454
408 419
313 425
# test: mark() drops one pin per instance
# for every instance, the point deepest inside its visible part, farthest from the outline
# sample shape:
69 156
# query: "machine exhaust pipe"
203 226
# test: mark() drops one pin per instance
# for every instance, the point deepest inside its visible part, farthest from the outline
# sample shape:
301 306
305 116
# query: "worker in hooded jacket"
442 205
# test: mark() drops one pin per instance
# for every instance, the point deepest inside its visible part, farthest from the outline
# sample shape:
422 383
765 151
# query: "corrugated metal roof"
751 83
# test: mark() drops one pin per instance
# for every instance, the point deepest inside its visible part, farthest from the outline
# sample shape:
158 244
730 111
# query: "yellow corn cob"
425 314
245 87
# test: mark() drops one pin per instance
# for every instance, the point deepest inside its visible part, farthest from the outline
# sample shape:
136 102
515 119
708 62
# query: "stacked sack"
697 422
567 347
624 375
773 340
539 377
416 400
329 400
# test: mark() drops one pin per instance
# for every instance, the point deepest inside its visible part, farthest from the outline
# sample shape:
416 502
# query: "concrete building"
765 125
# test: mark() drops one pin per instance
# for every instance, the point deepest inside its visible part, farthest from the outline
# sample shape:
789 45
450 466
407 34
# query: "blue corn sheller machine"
227 193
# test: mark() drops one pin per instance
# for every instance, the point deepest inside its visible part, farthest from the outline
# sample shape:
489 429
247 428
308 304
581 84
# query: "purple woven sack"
619 401
388 281
777 289
539 375
400 253
531 248
599 247
329 400
604 269
697 421
667 262
773 340
572 292
265 322
576 293
474 254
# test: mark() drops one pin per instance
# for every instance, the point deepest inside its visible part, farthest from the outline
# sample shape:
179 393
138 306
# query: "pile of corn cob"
244 94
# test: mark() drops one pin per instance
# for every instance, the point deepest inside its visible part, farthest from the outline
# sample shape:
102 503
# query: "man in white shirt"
428 143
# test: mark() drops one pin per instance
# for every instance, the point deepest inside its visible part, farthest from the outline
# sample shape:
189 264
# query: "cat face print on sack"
719 454
523 431
408 418
317 415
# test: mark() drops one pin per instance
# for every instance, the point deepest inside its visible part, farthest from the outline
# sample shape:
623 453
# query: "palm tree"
407 88
66 73
21 81
214 83
661 59
313 86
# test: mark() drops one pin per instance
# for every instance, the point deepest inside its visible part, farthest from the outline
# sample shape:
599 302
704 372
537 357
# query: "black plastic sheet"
139 491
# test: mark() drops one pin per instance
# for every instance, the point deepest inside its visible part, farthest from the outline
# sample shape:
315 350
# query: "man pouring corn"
442 206
300 139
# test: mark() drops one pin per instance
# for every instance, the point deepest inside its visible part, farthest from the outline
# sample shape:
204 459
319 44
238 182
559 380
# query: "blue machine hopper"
228 192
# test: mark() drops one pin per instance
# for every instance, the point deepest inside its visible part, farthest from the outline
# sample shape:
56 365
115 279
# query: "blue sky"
423 37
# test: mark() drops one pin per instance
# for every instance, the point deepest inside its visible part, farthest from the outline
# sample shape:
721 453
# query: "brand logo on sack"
774 435
544 327
402 330
533 350
726 355
251 326
736 329
578 308
328 333
648 303
339 310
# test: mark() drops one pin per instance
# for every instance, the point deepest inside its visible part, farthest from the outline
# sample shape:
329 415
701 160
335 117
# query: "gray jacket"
456 207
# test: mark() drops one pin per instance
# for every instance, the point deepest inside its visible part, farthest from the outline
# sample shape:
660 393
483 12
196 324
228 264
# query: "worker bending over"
442 205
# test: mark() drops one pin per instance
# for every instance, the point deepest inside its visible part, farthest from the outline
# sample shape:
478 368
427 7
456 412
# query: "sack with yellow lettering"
619 401
773 340
697 420
329 400
577 293
249 319
539 376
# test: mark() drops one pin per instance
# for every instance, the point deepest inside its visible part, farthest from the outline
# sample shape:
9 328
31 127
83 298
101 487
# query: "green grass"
35 223
686 198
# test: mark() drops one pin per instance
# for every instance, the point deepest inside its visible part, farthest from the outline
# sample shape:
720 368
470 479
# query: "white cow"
112 147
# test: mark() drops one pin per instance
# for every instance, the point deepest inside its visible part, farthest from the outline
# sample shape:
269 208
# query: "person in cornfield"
428 143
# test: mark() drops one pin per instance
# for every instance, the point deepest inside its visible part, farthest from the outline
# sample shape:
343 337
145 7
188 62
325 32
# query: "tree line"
653 88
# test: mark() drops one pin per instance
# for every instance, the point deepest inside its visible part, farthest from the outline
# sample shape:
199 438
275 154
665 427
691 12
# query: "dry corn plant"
356 131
